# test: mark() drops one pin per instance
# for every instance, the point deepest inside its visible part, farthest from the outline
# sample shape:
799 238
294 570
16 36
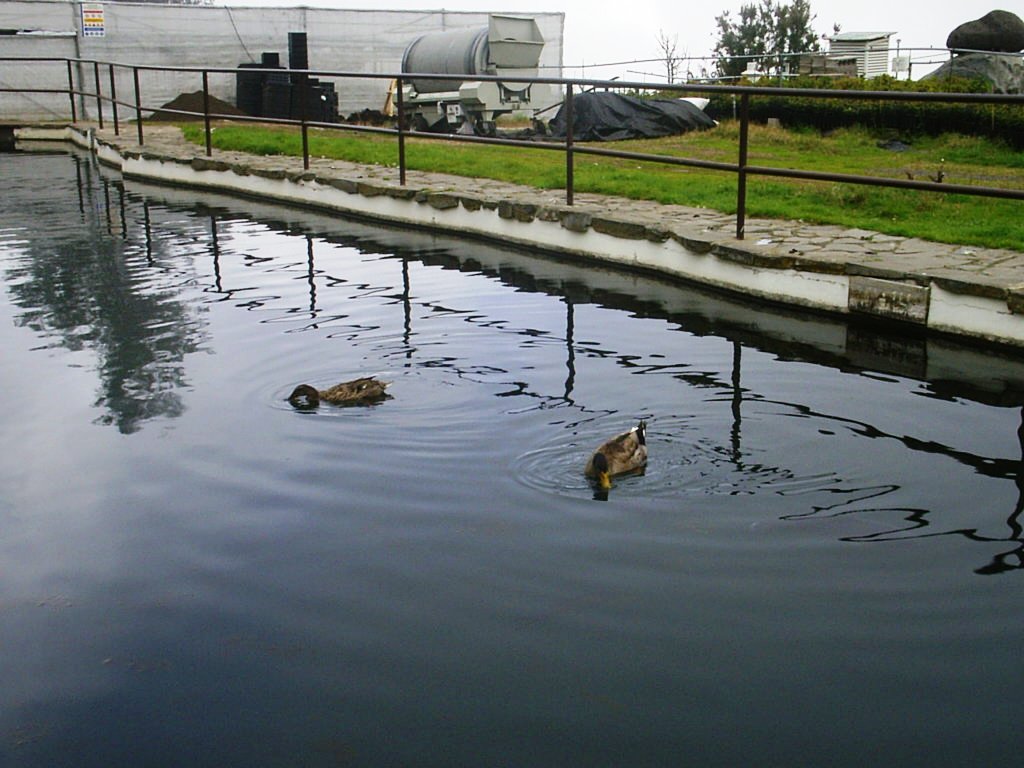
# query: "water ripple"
683 461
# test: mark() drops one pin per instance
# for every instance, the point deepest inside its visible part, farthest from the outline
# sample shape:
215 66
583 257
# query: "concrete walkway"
972 293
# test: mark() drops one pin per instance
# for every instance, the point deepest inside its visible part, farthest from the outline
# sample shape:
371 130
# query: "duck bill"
604 482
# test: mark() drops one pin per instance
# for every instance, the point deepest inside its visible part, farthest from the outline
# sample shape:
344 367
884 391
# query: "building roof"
859 37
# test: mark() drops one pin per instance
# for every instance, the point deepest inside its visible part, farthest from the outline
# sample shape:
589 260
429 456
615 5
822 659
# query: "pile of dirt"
193 102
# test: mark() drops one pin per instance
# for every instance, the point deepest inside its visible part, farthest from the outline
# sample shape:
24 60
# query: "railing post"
400 105
99 95
113 101
138 104
569 176
206 113
741 176
304 85
71 93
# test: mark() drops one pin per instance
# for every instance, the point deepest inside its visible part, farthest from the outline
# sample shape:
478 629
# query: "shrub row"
903 118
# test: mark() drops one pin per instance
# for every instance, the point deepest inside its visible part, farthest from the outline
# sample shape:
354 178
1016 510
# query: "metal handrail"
742 168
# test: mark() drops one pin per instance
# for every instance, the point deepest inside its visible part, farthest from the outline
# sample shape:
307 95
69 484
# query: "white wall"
141 33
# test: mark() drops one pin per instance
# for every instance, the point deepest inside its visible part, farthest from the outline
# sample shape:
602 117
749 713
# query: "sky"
599 33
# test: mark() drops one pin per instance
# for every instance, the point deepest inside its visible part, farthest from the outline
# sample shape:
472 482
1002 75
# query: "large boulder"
1005 74
995 31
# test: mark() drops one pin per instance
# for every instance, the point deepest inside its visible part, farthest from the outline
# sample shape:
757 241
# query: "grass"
949 218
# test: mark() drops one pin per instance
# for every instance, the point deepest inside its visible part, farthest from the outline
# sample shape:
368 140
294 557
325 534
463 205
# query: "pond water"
821 565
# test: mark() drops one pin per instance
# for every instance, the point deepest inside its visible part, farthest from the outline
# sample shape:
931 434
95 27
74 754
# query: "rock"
995 31
525 212
1004 73
576 221
627 230
442 201
894 145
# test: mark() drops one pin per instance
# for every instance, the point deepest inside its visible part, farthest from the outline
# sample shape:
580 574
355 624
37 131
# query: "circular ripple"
683 461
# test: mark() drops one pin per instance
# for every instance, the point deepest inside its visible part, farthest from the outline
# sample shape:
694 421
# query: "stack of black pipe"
280 94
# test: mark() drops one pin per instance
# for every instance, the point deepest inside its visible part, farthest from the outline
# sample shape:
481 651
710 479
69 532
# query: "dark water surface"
821 566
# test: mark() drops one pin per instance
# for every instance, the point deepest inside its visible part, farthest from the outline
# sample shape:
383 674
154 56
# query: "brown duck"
622 455
362 391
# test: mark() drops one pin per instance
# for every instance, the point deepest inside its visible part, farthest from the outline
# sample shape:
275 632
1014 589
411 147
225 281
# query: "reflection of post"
1014 558
106 205
78 176
1020 470
215 247
407 308
147 231
570 359
737 401
122 210
310 272
89 190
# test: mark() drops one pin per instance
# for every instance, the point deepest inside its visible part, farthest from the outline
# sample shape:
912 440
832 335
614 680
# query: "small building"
871 50
827 65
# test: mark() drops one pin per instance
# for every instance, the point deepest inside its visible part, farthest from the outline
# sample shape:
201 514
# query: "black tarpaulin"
606 116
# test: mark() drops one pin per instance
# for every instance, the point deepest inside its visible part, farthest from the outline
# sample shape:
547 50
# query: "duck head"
603 479
304 397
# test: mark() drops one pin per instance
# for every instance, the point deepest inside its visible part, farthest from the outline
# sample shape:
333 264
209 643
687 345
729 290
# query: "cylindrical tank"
454 52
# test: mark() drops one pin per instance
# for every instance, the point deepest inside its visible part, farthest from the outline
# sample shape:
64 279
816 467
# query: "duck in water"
621 455
362 391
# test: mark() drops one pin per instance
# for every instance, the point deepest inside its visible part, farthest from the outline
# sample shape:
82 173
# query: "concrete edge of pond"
967 292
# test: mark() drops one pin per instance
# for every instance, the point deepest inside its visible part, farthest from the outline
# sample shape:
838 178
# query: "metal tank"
455 52
507 46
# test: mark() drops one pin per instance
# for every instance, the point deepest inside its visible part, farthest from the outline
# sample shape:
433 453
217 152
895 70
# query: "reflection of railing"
742 167
307 300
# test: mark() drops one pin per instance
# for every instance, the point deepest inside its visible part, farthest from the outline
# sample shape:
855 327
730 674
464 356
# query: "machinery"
508 46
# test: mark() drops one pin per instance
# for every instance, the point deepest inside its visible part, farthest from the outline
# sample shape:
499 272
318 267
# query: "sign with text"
93 24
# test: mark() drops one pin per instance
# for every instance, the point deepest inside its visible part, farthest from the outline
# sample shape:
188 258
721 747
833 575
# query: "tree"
764 34
740 42
668 55
793 33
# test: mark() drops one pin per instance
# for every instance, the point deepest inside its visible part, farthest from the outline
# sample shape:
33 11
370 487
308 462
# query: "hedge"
904 118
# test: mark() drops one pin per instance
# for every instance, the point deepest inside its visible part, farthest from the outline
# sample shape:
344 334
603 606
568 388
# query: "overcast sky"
599 32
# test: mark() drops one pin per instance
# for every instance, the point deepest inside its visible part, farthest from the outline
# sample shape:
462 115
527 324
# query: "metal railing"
745 93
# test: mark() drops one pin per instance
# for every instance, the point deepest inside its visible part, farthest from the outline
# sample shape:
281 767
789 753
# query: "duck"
621 455
362 391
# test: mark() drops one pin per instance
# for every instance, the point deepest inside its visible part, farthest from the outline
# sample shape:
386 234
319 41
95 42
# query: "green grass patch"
948 218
